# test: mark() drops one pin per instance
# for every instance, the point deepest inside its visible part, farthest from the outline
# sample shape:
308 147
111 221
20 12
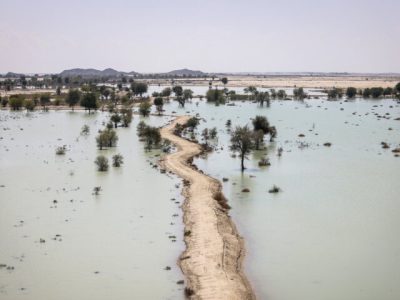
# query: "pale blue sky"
210 35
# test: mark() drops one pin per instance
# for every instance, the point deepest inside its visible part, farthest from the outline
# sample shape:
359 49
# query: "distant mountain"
186 72
94 73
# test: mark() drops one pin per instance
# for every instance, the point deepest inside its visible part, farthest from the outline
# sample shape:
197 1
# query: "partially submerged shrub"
274 190
118 160
264 162
149 134
102 163
106 138
85 130
61 150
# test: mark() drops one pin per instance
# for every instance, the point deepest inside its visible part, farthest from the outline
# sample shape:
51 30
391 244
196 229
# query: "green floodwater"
332 233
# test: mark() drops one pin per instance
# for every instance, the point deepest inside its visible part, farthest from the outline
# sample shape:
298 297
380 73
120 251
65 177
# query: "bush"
118 160
216 96
102 163
29 105
274 190
61 150
16 102
144 108
192 123
85 130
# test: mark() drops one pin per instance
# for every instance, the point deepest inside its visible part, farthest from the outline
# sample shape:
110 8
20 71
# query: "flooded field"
332 233
57 239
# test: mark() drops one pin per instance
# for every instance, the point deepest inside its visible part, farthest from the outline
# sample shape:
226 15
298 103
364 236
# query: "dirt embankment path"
212 261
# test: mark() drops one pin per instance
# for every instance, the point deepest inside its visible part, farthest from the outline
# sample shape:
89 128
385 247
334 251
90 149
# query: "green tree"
102 163
351 92
44 100
73 98
366 93
159 103
166 92
376 92
89 101
29 104
145 108
224 80
115 118
178 90
242 142
216 96
299 93
261 123
397 88
16 102
139 88
187 94
118 160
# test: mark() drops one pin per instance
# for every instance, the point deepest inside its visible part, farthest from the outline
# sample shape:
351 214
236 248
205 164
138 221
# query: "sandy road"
212 261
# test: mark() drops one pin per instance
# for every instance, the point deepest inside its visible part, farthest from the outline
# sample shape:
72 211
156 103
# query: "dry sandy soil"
212 261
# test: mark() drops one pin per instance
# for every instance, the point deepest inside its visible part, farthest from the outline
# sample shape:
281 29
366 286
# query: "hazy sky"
209 35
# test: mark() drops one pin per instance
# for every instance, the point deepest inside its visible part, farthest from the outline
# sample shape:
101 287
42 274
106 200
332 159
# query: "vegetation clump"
102 163
117 160
151 135
275 189
61 150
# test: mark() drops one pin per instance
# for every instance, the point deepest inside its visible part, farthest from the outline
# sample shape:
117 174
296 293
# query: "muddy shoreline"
212 260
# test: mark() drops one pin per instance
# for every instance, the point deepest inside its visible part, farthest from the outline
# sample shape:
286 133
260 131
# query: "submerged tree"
215 96
351 92
242 142
299 93
159 103
145 108
44 100
102 163
89 101
73 98
118 160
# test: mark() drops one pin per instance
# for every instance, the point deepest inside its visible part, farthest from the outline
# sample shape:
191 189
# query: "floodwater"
334 230
111 246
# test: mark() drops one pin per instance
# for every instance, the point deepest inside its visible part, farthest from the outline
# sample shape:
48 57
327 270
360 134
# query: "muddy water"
333 232
111 246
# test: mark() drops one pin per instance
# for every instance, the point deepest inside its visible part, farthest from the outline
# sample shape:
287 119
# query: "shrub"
16 102
85 130
274 189
102 163
29 105
118 160
61 150
144 108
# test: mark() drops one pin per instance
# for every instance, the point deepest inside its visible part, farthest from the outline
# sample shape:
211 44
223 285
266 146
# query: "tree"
16 102
281 94
58 91
205 135
118 160
366 93
213 133
166 92
299 93
224 80
159 103
115 118
187 94
89 101
106 138
139 88
351 92
144 108
216 96
376 92
44 100
388 91
102 163
397 88
262 97
73 98
151 135
178 90
251 90
29 104
192 123
261 123
127 116
242 142
258 137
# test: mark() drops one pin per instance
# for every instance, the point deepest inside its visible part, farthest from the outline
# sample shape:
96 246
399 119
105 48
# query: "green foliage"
118 160
85 130
263 97
299 93
89 101
4 101
397 88
102 163
213 133
281 94
29 104
127 116
351 92
192 123
73 98
106 138
216 96
224 80
44 100
159 103
115 118
166 92
178 90
261 123
335 93
376 92
145 108
258 138
187 94
139 88
151 135
16 102
242 142
366 93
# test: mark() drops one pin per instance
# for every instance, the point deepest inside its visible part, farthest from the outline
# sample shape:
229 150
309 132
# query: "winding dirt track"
212 261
